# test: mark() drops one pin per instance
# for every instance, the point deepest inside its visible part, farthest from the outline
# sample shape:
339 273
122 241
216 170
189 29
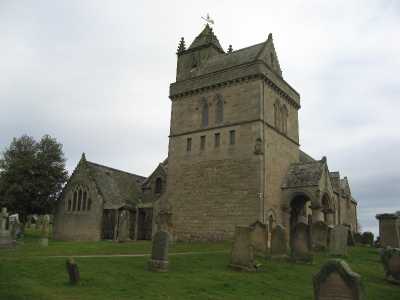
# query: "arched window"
204 113
75 200
158 188
69 204
219 111
277 115
84 200
270 223
79 199
284 117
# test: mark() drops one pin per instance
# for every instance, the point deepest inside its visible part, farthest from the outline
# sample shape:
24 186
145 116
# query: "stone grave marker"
338 240
336 281
301 243
242 255
45 224
390 258
319 236
6 240
279 243
159 253
73 271
123 226
389 230
259 238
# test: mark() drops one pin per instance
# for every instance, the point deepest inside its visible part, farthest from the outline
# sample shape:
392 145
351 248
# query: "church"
234 158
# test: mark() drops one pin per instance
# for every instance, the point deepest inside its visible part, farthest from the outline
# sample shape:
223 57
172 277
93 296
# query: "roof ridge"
245 48
113 169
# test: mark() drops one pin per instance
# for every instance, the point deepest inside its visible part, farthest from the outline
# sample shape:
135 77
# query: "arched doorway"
298 210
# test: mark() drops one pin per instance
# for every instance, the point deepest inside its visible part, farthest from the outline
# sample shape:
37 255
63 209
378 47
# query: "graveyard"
196 270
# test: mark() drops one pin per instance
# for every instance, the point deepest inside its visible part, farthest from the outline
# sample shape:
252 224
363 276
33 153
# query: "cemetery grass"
33 275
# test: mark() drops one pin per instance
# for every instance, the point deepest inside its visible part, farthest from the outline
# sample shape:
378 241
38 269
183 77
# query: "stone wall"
214 189
79 225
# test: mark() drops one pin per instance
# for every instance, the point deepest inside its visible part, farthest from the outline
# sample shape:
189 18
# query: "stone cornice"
244 73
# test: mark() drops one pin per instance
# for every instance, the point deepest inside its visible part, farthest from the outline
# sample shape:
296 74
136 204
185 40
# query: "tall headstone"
159 252
336 281
123 226
45 223
338 240
242 255
6 240
319 236
301 243
389 230
279 243
390 258
73 271
259 238
357 238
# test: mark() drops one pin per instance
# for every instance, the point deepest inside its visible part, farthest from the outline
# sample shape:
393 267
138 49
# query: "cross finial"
208 19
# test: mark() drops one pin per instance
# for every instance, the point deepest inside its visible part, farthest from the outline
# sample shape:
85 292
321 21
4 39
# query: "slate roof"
117 187
303 174
225 61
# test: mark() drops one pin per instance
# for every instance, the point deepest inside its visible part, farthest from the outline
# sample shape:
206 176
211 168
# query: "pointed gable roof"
117 187
206 38
304 174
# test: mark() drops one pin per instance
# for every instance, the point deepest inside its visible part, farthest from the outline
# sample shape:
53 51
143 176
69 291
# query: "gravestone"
242 255
390 258
159 252
389 230
301 243
45 223
336 281
259 238
319 236
338 240
6 240
123 226
368 238
279 243
73 271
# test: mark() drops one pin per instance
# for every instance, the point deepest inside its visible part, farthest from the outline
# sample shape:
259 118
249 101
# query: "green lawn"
28 273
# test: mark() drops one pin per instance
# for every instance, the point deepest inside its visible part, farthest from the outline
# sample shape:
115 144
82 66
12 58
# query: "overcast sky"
95 75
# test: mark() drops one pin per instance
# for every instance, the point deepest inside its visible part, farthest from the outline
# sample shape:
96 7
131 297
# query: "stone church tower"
234 153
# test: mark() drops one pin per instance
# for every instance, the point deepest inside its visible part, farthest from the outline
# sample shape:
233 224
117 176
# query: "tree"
32 175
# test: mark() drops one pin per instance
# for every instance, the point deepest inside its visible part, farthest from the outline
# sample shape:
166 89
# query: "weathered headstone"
123 226
301 243
45 223
338 240
319 236
73 271
389 230
242 255
336 281
6 240
390 258
279 243
159 252
368 238
259 238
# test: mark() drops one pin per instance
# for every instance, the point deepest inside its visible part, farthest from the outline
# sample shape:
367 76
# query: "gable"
268 55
